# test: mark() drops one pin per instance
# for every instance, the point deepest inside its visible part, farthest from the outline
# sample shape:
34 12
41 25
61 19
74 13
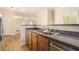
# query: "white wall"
8 22
51 16
45 17
58 16
59 13
42 17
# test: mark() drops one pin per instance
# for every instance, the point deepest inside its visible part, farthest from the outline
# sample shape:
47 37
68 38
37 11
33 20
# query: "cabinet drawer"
43 39
42 47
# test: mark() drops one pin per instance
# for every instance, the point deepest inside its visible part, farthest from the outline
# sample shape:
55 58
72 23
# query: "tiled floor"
12 43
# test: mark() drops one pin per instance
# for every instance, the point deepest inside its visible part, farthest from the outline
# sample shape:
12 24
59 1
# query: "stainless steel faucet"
47 29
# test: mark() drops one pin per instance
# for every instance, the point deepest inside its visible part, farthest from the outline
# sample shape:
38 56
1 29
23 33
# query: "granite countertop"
63 38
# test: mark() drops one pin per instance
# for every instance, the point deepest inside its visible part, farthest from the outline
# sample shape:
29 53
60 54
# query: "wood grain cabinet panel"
34 37
43 43
42 47
34 46
34 41
30 40
38 42
43 39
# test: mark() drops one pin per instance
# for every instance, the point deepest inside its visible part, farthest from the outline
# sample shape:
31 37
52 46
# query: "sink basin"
46 32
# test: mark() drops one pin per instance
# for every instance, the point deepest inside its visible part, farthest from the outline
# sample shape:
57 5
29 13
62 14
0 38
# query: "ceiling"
24 11
31 10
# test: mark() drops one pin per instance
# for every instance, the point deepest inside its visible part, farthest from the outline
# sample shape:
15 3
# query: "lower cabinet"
34 41
30 40
34 46
43 43
38 42
42 47
55 48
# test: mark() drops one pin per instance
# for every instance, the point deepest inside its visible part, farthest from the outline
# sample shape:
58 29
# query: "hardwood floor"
0 45
12 43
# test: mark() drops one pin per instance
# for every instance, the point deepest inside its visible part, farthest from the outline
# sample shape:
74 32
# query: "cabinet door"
43 39
42 46
29 40
55 48
34 41
34 46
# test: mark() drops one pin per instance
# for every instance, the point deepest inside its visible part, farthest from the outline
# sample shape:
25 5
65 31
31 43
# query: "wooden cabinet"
34 46
42 47
55 47
34 41
43 43
37 42
43 39
30 40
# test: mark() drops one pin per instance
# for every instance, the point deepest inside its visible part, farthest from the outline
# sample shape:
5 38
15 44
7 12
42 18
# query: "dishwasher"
56 46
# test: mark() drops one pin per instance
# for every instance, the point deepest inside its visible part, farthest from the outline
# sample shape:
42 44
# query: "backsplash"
67 30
